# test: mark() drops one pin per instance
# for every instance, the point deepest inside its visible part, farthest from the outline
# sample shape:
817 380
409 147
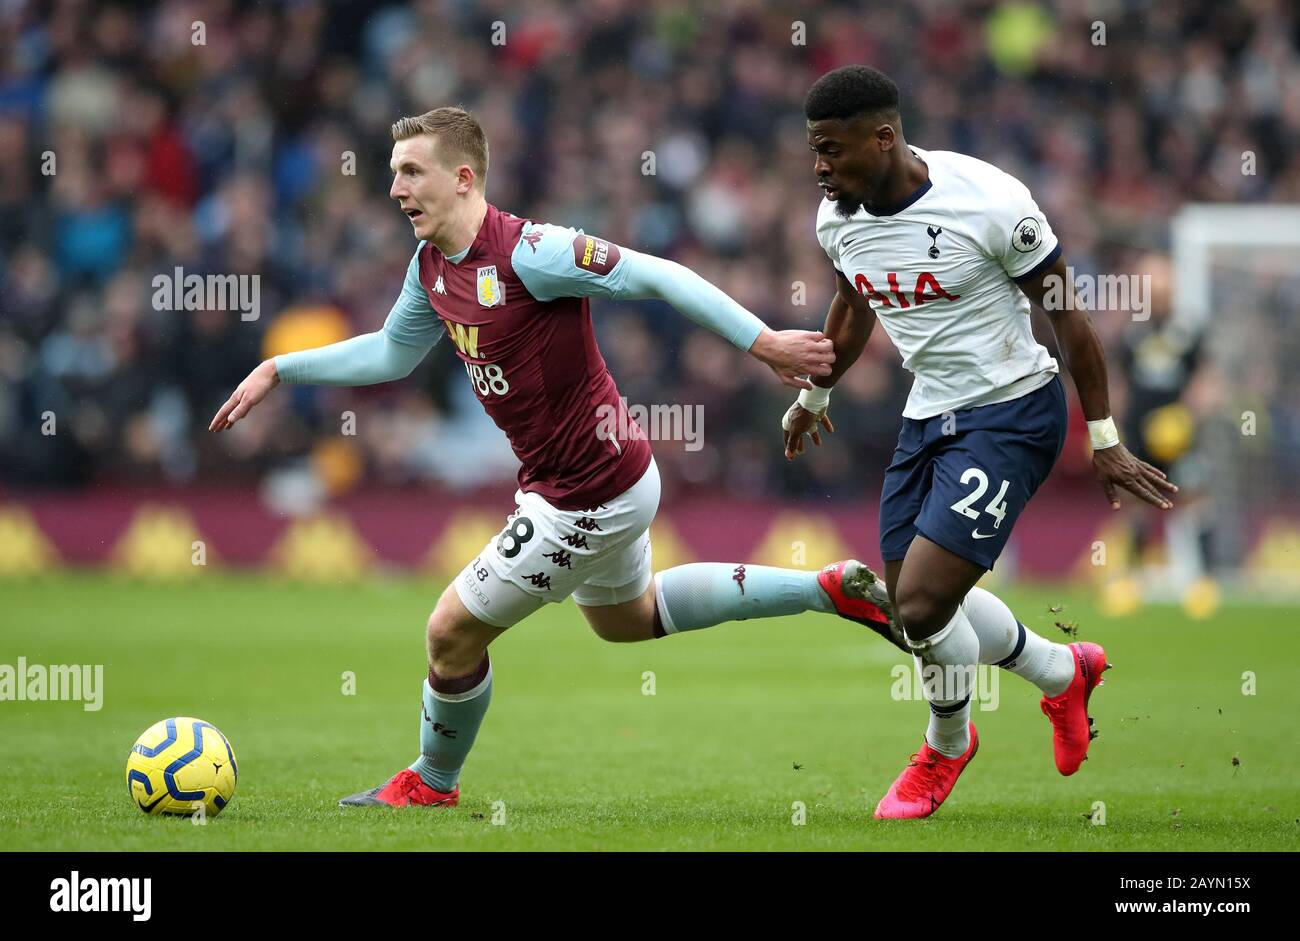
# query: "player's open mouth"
413 214
830 191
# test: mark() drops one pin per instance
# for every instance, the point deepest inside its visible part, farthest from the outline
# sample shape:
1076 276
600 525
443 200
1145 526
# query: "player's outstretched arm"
359 361
554 261
411 330
1115 467
791 354
849 323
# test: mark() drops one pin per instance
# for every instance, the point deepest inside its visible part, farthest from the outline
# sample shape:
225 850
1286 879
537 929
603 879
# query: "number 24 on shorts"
997 507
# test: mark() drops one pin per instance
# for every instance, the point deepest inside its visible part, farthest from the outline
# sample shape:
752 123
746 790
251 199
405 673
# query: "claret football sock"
1007 643
948 661
453 711
702 594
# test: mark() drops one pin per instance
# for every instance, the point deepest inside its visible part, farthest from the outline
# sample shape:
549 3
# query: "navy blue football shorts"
961 479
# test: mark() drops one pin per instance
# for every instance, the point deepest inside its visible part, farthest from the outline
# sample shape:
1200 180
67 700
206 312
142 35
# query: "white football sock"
1007 643
948 660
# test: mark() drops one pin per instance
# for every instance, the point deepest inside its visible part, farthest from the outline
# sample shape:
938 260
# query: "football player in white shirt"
947 252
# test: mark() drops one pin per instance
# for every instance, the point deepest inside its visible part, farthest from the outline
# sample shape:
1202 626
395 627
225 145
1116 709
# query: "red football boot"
1071 727
925 783
404 790
859 595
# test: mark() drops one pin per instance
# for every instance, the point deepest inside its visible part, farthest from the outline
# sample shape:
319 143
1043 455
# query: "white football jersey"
937 270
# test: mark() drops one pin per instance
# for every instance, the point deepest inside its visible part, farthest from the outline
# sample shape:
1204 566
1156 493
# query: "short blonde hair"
460 138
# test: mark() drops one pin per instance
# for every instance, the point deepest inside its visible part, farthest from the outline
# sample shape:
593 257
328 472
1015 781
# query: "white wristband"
815 399
1103 434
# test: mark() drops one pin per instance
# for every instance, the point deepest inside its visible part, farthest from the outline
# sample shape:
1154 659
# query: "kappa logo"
561 558
468 581
532 238
439 287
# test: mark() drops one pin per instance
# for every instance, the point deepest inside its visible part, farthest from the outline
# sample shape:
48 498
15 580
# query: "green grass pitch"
746 720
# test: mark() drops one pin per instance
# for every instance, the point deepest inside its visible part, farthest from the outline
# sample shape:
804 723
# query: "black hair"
849 91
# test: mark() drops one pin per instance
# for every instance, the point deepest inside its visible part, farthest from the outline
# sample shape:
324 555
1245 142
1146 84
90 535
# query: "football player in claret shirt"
947 251
513 296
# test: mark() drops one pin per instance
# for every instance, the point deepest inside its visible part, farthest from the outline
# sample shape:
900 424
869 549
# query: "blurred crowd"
223 137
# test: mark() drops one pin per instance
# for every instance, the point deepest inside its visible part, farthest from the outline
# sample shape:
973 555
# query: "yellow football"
182 766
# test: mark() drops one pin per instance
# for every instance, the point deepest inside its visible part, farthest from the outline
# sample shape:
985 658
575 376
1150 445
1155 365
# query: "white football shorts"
600 555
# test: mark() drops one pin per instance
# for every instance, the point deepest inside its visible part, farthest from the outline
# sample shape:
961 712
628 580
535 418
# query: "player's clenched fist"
793 354
251 391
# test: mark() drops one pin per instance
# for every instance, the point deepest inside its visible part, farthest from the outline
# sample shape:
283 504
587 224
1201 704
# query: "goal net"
1237 282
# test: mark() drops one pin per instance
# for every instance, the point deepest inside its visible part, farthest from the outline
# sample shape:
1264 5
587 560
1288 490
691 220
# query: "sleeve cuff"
284 369
1042 266
748 334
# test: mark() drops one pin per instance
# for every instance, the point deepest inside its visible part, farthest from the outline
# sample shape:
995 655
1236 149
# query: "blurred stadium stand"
229 157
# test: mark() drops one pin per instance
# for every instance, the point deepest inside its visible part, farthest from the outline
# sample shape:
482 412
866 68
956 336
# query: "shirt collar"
461 256
909 199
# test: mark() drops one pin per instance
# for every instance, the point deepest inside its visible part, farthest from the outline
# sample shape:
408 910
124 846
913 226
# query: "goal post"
1236 274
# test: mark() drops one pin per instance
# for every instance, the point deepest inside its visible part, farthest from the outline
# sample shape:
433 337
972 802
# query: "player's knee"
452 651
923 612
439 636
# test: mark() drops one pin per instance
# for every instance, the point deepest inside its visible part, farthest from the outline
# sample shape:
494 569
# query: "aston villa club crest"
489 287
